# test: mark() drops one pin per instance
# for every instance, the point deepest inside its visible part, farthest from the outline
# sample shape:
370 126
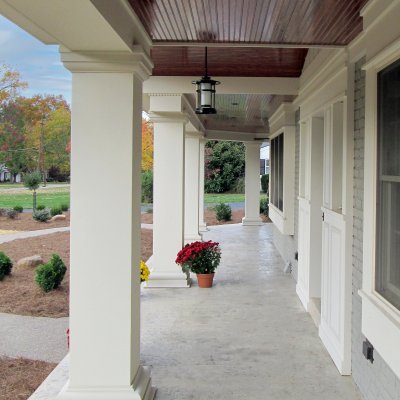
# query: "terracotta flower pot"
205 280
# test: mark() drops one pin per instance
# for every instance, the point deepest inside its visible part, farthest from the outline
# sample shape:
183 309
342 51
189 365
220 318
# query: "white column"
202 223
192 187
105 228
168 200
252 184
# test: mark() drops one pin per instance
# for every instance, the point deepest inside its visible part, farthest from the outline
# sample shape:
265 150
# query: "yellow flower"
144 272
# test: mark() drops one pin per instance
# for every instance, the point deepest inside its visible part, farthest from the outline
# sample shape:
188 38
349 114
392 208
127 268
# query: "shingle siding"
376 381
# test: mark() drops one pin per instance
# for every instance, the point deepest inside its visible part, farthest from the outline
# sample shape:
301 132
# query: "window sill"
381 326
285 226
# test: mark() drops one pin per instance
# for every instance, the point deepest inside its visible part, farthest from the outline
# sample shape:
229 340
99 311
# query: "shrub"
223 212
49 276
239 185
11 213
5 265
41 215
147 187
149 211
64 207
40 207
2 212
265 183
55 211
264 206
32 182
19 209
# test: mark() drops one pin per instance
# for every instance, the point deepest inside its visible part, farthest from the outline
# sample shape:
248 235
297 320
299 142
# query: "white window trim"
284 220
380 319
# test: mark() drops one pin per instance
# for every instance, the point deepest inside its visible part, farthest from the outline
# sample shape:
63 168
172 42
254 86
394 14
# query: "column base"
141 389
203 228
192 238
171 277
252 221
168 281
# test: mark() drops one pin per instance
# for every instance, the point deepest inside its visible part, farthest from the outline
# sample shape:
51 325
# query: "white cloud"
38 64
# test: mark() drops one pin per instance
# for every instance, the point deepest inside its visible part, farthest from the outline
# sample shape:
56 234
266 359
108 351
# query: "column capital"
137 62
168 117
253 144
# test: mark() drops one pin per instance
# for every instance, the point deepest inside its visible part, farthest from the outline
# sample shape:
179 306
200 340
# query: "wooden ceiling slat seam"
241 19
301 15
314 24
266 21
288 16
261 20
146 19
191 19
173 22
340 14
217 19
256 20
181 25
274 17
354 16
159 17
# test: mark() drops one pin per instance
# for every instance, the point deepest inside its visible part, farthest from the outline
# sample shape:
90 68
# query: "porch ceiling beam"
229 85
78 25
244 44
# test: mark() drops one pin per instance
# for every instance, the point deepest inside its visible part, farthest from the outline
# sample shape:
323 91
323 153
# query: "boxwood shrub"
5 265
49 276
223 212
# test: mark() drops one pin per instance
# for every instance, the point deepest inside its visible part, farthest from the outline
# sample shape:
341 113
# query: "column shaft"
252 184
168 203
202 223
105 238
192 188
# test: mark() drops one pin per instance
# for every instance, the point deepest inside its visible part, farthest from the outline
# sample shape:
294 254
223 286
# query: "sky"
38 64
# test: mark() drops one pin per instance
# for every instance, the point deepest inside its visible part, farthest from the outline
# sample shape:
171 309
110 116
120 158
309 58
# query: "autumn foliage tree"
34 131
147 146
10 83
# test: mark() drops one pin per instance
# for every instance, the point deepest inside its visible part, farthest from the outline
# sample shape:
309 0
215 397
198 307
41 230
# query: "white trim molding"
380 319
283 122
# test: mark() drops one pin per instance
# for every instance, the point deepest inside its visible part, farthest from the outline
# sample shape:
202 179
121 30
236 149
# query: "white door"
335 325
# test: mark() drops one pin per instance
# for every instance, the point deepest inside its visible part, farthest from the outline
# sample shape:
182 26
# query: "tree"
147 146
13 152
10 83
225 163
49 133
32 182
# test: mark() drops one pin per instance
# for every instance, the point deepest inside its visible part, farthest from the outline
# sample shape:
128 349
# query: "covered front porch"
248 337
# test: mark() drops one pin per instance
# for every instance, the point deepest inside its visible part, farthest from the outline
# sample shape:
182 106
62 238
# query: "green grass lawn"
24 199
56 197
226 197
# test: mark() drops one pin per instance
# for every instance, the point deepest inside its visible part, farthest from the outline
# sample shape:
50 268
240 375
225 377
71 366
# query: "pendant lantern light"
206 92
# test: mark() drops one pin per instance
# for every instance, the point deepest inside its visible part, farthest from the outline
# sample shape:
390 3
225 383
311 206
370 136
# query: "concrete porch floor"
246 338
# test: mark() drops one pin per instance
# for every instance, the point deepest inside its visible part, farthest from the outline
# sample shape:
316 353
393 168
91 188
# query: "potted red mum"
201 258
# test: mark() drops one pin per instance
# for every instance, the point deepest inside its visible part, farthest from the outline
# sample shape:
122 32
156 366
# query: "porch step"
314 308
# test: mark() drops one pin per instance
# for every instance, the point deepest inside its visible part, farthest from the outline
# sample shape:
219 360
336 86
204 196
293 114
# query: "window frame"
380 318
283 218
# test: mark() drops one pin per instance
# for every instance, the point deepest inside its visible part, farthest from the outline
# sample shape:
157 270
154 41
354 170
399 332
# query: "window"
387 274
277 171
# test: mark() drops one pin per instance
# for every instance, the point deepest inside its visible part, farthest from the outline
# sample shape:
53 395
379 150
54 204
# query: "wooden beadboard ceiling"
243 112
238 29
223 61
308 22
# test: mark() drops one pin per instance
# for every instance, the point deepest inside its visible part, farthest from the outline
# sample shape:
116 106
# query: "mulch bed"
25 222
20 377
19 293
